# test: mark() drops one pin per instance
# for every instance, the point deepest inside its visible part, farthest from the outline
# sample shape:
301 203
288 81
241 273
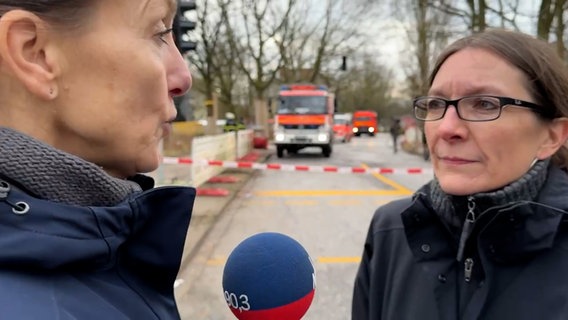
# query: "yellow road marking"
322 193
261 202
337 202
216 262
301 202
389 182
336 260
398 190
322 260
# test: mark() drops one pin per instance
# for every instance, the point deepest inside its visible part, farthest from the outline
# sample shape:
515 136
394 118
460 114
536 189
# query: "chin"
458 186
148 165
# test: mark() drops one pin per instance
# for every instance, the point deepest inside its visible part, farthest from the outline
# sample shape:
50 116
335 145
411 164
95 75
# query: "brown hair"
64 13
545 71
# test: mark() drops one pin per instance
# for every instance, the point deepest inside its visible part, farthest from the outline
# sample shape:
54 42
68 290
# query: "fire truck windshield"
302 105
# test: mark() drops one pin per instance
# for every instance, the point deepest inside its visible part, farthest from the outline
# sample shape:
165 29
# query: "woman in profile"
86 95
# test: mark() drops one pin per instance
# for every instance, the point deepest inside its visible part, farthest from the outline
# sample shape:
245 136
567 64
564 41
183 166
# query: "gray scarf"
58 176
525 188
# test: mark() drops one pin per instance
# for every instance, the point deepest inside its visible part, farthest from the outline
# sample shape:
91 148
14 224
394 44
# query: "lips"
455 160
167 128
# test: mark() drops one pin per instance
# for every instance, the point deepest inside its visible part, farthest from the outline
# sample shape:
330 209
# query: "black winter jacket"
514 265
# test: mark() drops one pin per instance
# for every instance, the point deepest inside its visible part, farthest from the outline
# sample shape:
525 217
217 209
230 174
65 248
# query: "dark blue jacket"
63 262
519 255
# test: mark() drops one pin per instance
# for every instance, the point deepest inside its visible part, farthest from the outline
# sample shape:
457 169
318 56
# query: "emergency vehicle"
365 121
342 127
304 118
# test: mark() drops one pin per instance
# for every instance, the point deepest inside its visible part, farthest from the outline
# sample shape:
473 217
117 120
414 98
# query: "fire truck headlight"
355 130
371 129
323 137
279 137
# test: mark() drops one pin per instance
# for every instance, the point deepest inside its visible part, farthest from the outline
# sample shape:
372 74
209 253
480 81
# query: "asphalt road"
327 212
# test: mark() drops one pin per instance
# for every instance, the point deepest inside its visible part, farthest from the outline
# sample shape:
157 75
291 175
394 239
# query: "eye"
434 104
485 104
163 34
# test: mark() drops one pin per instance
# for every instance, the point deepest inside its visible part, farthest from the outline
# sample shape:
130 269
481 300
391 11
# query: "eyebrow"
172 5
471 90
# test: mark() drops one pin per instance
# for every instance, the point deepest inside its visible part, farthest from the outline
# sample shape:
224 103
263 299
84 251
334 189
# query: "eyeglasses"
471 108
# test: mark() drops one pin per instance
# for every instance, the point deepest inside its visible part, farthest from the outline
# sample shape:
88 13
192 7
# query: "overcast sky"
388 35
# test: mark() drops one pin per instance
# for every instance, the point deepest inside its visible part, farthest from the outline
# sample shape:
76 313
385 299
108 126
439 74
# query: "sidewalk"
207 208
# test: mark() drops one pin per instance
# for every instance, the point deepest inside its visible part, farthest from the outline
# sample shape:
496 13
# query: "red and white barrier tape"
290 167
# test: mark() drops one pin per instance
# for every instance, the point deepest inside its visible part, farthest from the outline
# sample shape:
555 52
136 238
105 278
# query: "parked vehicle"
365 122
342 127
304 118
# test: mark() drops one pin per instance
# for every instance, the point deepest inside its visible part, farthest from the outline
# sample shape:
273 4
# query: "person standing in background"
395 130
86 96
425 151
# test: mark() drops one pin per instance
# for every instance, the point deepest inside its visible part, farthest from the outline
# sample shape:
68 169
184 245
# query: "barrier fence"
228 146
210 155
203 163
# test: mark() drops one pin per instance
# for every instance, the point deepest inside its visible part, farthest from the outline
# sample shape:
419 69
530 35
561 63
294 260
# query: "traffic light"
182 25
344 63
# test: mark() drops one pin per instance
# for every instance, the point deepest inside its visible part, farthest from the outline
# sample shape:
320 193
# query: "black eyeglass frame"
503 102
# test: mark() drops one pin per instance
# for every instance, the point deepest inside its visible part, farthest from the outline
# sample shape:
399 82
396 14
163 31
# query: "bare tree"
561 6
204 58
229 79
551 21
478 15
338 34
545 19
252 27
427 33
368 85
292 43
426 29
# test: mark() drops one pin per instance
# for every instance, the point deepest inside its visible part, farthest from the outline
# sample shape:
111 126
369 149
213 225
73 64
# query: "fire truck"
365 121
304 118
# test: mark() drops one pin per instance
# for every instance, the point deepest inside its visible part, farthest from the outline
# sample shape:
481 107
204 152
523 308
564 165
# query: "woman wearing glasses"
487 238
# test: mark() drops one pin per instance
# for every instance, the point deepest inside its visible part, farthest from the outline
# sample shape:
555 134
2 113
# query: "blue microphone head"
269 276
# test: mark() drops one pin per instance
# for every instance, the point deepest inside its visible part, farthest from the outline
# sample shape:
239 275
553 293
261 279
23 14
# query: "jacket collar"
453 209
507 232
49 235
55 175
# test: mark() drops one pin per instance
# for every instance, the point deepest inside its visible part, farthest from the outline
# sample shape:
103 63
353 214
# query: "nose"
451 126
179 77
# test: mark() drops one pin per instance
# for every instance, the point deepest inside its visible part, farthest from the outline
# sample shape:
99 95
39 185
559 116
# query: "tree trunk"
560 27
545 18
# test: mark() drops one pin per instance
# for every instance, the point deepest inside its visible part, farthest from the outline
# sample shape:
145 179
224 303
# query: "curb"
207 210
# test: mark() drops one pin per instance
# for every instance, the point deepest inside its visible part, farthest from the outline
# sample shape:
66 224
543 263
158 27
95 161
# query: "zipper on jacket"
467 227
468 269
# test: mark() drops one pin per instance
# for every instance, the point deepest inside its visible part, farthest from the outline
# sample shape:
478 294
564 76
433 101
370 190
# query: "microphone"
269 276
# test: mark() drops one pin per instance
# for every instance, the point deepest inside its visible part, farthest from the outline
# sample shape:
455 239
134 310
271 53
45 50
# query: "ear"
557 136
23 52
